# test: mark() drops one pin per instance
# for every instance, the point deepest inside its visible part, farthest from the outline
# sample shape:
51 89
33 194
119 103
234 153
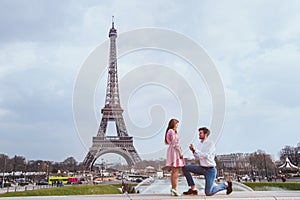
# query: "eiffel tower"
121 144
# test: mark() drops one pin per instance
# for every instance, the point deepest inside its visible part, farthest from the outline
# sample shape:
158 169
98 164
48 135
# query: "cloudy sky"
44 46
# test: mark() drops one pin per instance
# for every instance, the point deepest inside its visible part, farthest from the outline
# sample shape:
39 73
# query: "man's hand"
192 148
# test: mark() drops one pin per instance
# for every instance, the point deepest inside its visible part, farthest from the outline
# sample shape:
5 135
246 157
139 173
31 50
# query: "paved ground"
267 195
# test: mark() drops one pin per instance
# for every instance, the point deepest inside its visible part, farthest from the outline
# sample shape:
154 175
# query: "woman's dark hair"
171 125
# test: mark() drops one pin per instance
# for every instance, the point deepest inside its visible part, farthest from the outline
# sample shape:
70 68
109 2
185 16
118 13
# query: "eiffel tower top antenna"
112 90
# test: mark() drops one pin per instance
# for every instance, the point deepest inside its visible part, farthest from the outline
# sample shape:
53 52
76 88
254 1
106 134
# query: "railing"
23 188
117 138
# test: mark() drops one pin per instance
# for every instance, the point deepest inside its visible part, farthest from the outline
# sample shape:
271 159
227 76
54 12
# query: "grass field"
68 190
267 186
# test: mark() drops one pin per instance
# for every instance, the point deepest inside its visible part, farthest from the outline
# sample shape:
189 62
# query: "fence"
23 188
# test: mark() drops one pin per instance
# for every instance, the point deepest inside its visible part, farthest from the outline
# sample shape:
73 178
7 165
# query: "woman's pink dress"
174 150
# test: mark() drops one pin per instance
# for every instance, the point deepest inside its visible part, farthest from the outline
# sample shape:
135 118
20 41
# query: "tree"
293 153
19 163
261 163
3 162
69 164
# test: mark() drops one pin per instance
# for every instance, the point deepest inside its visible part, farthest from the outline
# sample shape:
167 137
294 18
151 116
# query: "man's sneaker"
191 192
229 187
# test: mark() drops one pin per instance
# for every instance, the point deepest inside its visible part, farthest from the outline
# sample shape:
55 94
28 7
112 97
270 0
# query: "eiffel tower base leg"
112 144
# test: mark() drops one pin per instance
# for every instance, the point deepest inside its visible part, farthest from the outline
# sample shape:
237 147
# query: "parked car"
42 183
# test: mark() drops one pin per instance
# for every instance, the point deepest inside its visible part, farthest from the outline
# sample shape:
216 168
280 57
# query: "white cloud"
16 57
272 76
4 113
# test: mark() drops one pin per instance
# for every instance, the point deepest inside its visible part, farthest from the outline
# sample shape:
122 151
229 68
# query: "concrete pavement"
257 195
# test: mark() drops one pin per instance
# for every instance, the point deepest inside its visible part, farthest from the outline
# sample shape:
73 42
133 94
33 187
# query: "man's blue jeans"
209 174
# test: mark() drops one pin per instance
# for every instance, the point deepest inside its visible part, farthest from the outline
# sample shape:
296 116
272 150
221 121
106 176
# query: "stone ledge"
256 195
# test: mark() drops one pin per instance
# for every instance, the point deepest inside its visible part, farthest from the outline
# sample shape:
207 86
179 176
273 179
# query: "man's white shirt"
205 153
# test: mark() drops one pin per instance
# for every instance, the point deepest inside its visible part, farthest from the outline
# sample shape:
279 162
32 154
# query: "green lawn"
113 189
68 190
265 186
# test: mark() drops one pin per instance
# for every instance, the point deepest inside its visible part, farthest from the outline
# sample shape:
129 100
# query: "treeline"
19 163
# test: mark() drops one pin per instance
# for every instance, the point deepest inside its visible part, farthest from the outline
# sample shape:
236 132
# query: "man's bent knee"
184 169
208 193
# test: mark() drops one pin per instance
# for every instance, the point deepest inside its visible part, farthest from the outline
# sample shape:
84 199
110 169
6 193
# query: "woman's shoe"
175 192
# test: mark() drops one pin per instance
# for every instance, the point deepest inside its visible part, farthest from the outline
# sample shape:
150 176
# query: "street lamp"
25 174
265 166
102 168
4 169
38 172
47 172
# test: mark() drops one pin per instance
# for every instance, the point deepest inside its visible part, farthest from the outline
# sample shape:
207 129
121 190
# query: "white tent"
150 168
288 164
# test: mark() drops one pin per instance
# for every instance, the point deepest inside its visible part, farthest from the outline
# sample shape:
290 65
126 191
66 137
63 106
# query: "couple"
204 152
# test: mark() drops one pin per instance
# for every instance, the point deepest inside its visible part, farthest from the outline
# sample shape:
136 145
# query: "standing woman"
174 154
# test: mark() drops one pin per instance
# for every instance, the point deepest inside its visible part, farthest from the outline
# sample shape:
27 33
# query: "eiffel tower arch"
122 143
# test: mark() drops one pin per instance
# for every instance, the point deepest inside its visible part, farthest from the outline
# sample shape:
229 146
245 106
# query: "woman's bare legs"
174 177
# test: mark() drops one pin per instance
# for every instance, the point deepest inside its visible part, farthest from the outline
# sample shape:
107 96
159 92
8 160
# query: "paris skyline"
44 45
